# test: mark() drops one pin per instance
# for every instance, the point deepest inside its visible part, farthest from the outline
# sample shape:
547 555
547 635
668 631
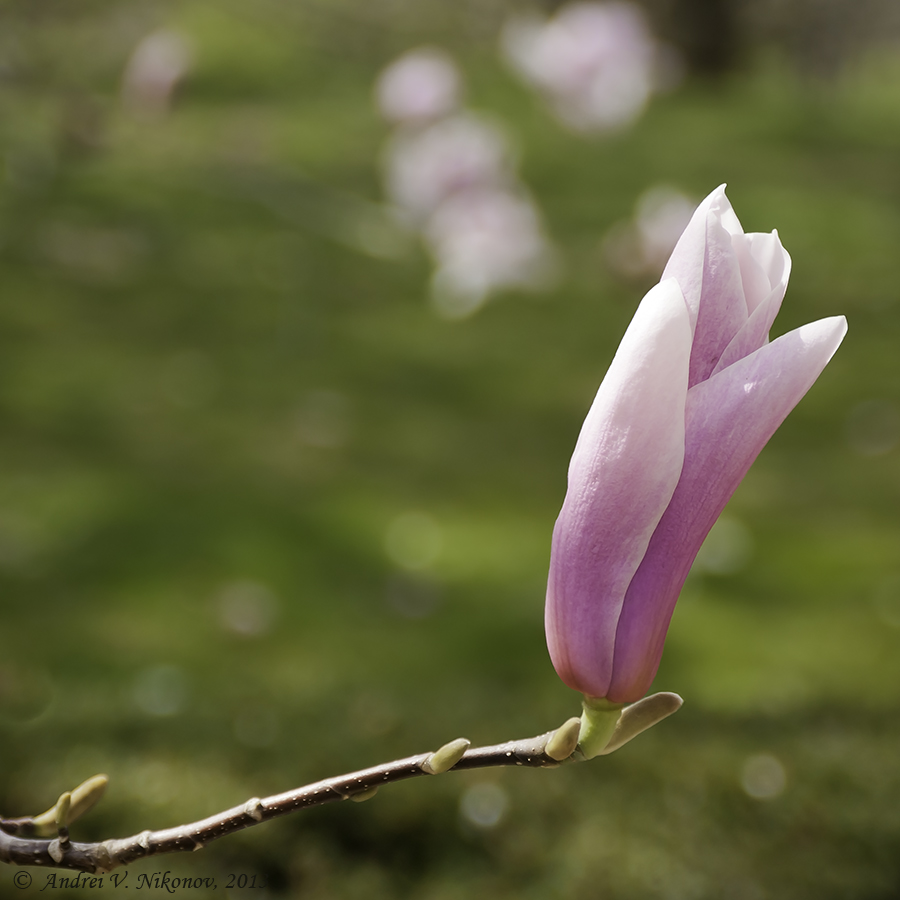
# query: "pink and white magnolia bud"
693 394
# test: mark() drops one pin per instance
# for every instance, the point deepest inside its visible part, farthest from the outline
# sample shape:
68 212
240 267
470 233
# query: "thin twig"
107 855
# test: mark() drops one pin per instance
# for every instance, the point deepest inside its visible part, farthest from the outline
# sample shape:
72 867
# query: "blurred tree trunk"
707 33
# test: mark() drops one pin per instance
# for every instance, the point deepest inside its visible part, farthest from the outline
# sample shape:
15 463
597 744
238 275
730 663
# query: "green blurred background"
218 411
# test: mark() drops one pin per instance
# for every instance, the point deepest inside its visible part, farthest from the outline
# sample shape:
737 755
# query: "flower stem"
598 722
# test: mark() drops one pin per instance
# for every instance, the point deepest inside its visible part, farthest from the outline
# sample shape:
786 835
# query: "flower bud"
693 394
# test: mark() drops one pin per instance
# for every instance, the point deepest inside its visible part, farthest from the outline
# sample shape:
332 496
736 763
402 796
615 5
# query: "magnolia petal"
753 334
685 264
765 267
705 264
727 216
623 472
755 283
729 419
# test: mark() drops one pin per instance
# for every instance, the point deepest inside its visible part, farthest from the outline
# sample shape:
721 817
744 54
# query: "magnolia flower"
693 394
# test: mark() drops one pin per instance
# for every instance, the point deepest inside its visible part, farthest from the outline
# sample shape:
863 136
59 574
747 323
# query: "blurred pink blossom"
597 63
485 240
156 66
424 167
450 175
421 85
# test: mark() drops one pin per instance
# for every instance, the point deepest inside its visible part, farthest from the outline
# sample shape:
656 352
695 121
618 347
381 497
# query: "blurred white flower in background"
484 240
154 70
450 175
426 167
421 85
639 247
596 63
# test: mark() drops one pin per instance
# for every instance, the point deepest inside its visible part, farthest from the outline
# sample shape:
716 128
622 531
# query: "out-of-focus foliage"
264 517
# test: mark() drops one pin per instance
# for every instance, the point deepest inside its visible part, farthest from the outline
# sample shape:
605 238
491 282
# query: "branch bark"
104 856
573 740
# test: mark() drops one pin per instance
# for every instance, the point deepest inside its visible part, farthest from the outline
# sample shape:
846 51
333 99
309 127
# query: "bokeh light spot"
483 805
763 777
161 690
247 608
